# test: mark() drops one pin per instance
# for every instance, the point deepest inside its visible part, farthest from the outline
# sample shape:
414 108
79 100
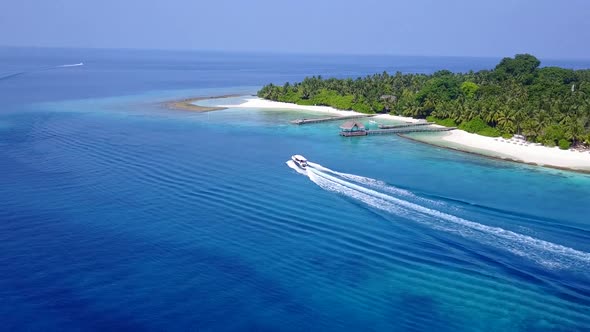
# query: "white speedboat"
299 160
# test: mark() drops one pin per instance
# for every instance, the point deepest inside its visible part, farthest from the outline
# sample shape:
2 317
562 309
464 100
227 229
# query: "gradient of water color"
117 214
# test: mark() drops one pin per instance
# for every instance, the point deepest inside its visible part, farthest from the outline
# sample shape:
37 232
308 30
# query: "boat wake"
71 65
379 195
5 77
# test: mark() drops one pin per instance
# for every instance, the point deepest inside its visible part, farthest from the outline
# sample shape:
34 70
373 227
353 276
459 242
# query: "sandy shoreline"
189 104
256 102
463 141
521 151
268 104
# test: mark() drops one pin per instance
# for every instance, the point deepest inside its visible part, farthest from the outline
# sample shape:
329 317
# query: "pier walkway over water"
332 118
408 129
414 124
354 128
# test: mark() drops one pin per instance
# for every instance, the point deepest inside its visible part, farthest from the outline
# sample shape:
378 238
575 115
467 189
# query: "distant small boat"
299 160
72 65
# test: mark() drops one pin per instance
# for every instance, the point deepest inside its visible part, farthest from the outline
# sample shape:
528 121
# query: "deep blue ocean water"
118 214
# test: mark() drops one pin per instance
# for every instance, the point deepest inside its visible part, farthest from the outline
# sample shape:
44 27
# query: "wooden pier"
408 129
332 118
414 124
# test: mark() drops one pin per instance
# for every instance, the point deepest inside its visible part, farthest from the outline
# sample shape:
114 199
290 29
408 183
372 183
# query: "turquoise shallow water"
118 214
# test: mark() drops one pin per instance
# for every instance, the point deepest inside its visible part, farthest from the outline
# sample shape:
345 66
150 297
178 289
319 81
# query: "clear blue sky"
546 28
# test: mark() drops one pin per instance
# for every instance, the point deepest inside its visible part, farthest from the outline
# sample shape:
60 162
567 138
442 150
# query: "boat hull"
299 161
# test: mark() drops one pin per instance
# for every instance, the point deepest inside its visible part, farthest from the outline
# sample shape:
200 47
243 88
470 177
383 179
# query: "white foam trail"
356 178
543 252
292 165
9 76
376 184
71 65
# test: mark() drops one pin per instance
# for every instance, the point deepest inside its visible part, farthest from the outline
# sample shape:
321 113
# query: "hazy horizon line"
274 52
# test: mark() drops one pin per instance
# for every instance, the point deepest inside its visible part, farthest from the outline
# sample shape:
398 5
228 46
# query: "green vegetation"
442 122
564 144
478 126
549 105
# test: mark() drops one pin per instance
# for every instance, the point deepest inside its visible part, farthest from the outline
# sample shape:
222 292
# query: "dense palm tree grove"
549 105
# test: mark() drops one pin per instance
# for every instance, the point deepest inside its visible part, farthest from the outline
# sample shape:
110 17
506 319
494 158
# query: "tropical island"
546 105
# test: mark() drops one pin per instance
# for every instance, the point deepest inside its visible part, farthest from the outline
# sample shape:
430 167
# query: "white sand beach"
256 102
489 146
522 151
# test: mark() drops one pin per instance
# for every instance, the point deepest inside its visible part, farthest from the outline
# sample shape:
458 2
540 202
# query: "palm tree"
492 115
506 119
543 119
576 129
531 128
519 116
